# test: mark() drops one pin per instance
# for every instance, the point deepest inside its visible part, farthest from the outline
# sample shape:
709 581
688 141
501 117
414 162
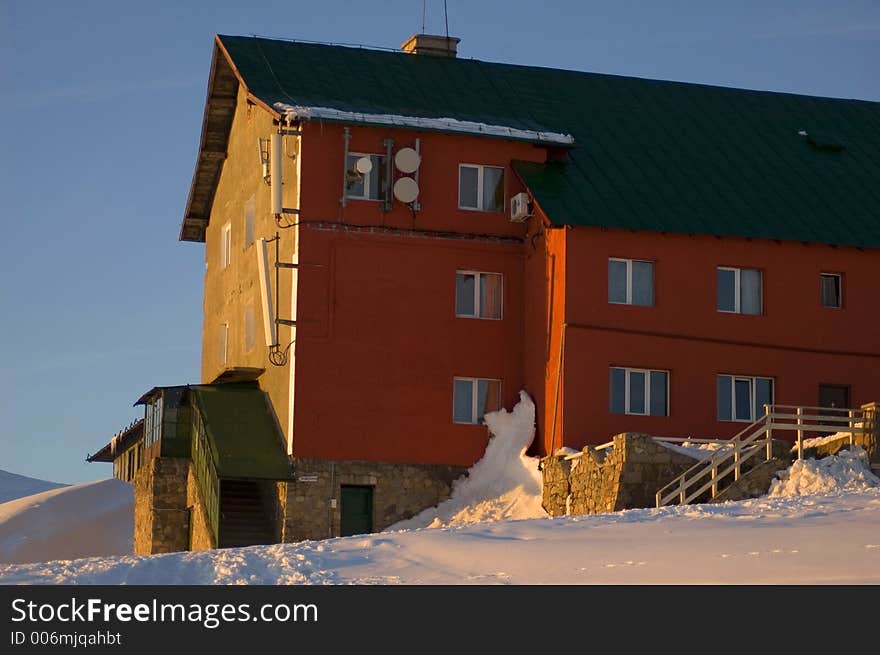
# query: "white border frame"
753 390
367 176
474 420
629 279
839 277
477 300
226 245
737 290
626 385
479 208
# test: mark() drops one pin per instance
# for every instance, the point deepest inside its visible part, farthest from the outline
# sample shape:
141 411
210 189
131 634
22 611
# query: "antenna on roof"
424 12
446 18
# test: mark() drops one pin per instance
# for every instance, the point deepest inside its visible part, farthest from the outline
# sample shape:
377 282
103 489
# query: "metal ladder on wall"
713 475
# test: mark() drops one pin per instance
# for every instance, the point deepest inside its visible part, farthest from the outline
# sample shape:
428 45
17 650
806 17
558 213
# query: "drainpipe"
558 383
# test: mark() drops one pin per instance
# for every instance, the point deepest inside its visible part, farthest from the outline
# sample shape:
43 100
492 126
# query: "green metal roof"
647 155
246 438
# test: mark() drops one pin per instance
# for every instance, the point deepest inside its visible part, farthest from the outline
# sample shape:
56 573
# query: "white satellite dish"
407 160
406 190
364 165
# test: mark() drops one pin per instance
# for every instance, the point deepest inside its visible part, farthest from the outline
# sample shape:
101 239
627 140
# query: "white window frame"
368 177
474 397
626 385
737 289
753 387
225 245
224 342
629 281
477 298
480 168
839 277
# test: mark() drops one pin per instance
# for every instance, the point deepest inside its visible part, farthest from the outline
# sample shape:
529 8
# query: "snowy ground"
832 538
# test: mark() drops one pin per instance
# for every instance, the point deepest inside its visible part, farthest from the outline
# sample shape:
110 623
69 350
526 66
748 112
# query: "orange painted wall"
795 341
378 341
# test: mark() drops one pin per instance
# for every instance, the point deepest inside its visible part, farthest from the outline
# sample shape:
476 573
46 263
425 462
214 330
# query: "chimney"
429 44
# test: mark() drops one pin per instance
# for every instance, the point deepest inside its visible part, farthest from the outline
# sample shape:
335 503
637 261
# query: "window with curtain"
739 290
742 397
831 287
630 282
639 391
479 295
481 187
473 398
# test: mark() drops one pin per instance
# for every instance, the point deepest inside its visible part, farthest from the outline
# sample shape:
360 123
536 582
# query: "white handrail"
746 445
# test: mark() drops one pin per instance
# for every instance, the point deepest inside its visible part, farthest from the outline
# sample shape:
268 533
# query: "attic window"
823 140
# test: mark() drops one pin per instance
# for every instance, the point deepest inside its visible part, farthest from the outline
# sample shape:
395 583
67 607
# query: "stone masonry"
630 473
161 518
625 476
309 506
200 536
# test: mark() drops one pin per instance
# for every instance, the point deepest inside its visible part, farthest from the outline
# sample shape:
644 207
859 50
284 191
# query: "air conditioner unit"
519 208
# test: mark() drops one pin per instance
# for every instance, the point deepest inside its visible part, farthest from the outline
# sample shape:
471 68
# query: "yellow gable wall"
229 291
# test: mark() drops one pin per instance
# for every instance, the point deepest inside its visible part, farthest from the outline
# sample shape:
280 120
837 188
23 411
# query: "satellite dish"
364 165
407 160
406 190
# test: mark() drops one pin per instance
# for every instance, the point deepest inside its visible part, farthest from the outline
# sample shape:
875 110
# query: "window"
153 421
639 391
473 398
222 343
365 186
249 336
630 282
226 245
249 212
739 290
831 287
481 188
478 295
742 398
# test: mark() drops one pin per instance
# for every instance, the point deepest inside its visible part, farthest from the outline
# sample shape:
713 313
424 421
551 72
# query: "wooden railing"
206 473
710 474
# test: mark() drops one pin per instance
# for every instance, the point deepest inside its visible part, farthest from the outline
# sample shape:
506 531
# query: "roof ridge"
532 67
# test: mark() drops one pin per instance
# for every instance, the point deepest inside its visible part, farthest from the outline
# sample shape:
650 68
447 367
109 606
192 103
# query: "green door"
357 510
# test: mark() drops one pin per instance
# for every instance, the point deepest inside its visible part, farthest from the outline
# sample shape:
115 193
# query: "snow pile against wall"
14 486
846 471
83 520
504 484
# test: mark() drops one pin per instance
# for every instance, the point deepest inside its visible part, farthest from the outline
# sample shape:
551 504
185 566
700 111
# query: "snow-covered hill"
82 520
14 486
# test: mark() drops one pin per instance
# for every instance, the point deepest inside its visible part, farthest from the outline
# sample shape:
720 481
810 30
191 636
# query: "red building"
638 255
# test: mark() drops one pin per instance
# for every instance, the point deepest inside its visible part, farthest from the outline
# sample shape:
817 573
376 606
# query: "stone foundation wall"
624 476
161 518
200 535
309 506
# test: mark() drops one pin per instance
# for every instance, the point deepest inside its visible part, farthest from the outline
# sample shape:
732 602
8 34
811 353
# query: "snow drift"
849 470
14 486
83 520
504 484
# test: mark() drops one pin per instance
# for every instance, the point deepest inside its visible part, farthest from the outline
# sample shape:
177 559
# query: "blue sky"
99 126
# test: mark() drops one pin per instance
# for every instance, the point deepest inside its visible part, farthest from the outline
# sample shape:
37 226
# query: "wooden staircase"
244 519
748 461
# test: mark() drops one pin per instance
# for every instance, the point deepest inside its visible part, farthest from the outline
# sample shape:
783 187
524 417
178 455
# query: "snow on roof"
297 112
